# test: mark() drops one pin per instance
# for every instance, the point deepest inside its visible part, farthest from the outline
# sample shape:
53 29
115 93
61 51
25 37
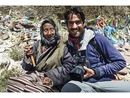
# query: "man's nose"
74 25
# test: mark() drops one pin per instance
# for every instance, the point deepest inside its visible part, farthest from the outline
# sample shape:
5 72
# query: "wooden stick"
33 61
32 57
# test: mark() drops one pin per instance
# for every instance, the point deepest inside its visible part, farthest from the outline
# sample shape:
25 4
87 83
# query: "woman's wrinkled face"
48 31
75 25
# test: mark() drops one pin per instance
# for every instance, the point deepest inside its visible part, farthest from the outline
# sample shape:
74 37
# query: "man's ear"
84 24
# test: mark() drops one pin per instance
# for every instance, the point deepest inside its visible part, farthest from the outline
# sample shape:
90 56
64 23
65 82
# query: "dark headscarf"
56 37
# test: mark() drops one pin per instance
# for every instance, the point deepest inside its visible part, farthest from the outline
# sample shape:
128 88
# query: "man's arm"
117 61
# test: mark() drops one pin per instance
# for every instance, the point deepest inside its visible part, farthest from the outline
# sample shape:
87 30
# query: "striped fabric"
27 83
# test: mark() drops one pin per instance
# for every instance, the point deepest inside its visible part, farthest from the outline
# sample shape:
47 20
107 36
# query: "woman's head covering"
55 38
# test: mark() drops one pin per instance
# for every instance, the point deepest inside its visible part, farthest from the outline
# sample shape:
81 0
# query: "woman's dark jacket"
58 73
56 62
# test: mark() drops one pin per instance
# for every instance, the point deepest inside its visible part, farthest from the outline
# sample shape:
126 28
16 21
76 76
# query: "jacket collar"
82 40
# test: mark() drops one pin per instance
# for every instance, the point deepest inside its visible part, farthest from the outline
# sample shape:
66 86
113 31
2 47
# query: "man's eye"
45 30
70 23
78 22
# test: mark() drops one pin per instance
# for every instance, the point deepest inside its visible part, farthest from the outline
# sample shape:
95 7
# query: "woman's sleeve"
27 62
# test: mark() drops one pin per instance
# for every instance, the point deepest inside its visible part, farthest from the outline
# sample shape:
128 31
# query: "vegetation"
4 76
16 54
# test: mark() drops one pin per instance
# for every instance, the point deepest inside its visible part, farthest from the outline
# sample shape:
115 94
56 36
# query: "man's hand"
89 72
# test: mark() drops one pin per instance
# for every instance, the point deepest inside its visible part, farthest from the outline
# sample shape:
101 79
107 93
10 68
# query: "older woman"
49 69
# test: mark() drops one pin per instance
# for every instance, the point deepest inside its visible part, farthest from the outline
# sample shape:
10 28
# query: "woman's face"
48 31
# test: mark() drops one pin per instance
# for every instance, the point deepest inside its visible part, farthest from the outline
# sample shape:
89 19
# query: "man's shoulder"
90 28
99 36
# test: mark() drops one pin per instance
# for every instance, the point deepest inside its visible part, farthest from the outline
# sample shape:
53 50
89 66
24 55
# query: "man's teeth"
75 30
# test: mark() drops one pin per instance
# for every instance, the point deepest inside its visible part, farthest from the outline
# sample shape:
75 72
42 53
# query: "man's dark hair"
74 10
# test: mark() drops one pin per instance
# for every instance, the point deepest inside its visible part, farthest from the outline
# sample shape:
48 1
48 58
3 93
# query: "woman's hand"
28 50
47 81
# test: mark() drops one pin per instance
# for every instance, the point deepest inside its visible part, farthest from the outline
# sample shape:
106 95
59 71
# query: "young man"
97 74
